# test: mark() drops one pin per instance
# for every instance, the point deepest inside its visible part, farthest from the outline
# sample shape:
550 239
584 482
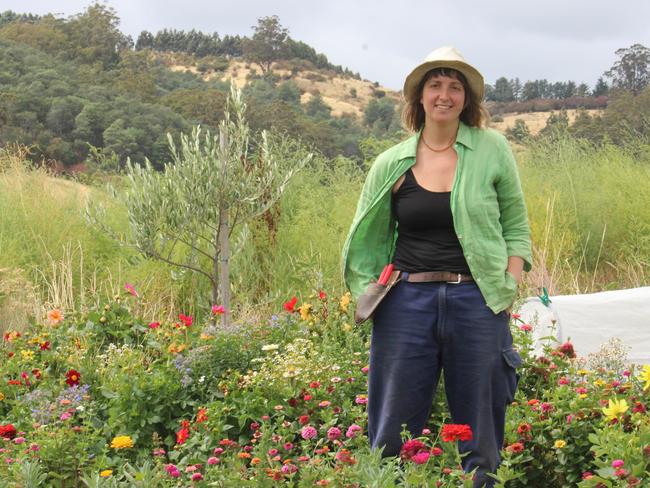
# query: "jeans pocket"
512 361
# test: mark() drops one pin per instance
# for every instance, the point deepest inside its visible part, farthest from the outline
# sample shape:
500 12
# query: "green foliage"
212 187
587 208
268 43
317 108
380 114
519 132
631 72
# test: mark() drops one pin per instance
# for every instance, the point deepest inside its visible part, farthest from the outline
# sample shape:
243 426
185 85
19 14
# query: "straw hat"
445 57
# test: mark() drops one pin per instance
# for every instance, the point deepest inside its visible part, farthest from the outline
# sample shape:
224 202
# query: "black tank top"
426 239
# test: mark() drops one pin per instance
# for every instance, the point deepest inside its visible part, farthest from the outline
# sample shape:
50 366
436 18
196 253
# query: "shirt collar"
464 137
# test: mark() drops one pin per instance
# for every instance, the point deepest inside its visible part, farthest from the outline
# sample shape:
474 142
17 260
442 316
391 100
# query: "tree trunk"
224 251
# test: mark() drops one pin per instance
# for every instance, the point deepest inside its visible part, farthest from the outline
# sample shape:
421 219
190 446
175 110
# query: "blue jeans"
421 329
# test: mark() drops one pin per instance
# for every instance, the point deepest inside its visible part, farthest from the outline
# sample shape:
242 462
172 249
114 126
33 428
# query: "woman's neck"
439 135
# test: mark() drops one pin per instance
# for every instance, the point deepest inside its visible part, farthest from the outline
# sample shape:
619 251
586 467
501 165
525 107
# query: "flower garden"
105 398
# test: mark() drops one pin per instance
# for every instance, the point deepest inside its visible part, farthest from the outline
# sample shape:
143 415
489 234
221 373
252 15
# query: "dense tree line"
513 90
75 87
68 85
270 42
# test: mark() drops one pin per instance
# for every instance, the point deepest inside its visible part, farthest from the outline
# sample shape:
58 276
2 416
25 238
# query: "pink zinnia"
421 457
218 310
526 327
410 448
197 477
213 460
289 468
618 463
19 440
352 431
361 400
309 432
218 451
131 289
333 433
154 325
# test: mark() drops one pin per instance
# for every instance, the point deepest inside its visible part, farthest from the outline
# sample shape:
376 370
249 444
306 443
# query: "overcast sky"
554 39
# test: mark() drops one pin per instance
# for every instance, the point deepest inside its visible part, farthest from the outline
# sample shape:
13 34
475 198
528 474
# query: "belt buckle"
455 282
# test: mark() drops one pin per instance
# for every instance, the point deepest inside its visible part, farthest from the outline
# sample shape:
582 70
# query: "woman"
446 208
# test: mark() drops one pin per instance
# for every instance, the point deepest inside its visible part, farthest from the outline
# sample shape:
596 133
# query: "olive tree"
215 184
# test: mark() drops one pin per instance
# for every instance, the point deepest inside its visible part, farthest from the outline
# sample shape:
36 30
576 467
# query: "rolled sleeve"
512 207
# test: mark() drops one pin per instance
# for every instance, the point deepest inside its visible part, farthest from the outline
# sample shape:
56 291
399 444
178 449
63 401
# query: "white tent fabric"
591 320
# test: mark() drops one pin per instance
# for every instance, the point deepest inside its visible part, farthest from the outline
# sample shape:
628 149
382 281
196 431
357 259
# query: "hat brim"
473 77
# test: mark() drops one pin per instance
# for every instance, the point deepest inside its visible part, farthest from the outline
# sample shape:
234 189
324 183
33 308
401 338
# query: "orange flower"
243 455
202 416
55 317
255 461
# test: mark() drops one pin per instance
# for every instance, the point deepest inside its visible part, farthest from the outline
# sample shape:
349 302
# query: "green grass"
588 212
589 215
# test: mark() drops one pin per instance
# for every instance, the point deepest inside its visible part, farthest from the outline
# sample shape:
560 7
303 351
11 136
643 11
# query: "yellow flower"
305 311
345 301
2 396
206 337
559 444
122 442
583 372
599 382
106 473
55 317
347 327
615 409
583 395
26 354
645 376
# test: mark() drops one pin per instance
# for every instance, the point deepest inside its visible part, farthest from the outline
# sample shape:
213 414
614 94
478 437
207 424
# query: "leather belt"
439 276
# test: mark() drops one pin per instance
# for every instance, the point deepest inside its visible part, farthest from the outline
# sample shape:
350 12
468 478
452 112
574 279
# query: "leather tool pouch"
372 297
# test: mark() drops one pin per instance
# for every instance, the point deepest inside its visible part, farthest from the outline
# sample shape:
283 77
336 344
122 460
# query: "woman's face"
443 99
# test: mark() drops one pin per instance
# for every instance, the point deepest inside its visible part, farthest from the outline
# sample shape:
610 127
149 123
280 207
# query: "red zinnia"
456 432
154 325
184 433
567 349
186 319
523 428
44 346
7 431
290 305
322 295
72 377
515 448
411 448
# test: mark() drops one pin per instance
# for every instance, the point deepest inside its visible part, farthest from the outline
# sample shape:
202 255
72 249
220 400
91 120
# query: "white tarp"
592 320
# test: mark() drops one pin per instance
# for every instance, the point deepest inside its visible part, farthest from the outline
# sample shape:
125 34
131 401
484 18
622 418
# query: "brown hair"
474 114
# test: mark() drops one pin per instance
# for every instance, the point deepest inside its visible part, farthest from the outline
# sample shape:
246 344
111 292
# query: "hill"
345 95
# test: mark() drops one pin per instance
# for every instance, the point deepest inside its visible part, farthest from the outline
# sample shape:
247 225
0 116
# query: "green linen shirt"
487 206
